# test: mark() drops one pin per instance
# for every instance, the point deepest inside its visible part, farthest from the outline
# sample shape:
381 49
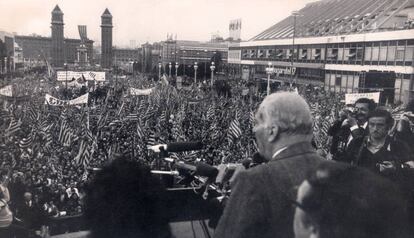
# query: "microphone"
184 146
206 170
201 169
177 147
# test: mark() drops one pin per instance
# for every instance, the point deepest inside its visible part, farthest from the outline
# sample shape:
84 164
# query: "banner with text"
7 91
50 100
140 92
75 75
351 98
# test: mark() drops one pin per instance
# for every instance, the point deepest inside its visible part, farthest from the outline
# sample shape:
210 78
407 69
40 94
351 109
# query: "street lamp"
66 81
269 71
176 69
159 70
169 67
195 72
212 67
294 14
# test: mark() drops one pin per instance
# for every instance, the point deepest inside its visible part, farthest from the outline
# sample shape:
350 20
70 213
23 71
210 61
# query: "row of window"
372 53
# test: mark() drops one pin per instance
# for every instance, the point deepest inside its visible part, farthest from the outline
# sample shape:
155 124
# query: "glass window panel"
356 82
409 53
391 53
344 81
383 53
346 54
368 51
332 80
322 54
340 53
350 81
327 78
375 53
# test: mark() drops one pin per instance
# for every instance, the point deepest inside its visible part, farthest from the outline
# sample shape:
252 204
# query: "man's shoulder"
279 168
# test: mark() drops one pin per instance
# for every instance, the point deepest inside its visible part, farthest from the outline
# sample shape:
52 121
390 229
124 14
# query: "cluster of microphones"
218 178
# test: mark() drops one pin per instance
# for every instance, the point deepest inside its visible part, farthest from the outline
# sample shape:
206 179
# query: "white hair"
289 111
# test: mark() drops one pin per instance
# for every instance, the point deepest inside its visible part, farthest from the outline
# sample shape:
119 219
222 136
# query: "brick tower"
106 39
58 42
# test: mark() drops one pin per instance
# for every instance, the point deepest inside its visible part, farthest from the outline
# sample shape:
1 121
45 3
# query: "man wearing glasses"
260 203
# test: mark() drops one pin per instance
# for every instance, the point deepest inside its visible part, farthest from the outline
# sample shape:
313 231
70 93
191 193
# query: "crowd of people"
49 151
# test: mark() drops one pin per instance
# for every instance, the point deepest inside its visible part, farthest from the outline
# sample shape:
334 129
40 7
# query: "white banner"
7 91
50 100
80 100
351 98
139 92
74 75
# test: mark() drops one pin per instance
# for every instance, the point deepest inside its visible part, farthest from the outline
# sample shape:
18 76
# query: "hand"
157 148
386 165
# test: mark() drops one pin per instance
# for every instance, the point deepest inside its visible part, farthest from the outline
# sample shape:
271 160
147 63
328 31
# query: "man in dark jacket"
260 203
377 151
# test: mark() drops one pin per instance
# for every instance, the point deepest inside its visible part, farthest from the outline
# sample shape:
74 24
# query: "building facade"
36 49
7 60
186 54
106 39
337 48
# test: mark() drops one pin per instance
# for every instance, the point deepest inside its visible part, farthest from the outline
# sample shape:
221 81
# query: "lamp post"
159 70
195 72
295 14
269 71
169 67
212 67
184 63
66 81
176 69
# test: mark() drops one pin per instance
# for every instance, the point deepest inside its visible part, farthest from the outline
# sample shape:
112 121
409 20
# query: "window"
252 54
399 54
269 53
260 53
375 53
409 53
383 52
391 53
338 79
244 53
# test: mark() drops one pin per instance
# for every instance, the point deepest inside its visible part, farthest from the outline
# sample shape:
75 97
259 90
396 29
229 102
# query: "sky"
147 20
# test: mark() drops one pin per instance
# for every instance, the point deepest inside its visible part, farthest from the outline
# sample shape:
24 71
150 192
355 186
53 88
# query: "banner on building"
140 92
50 100
7 91
351 98
75 75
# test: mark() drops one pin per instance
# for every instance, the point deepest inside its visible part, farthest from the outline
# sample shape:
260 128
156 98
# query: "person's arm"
6 193
244 214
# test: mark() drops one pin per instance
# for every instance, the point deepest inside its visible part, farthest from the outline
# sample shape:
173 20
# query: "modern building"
344 45
186 54
106 39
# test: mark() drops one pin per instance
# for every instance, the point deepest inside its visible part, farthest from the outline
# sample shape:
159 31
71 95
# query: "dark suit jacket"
260 204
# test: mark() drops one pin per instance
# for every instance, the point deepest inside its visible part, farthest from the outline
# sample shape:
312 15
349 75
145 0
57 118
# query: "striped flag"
26 142
151 139
140 131
211 112
14 126
132 117
234 131
82 158
66 135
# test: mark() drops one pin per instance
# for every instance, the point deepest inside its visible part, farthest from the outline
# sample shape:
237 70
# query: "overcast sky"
147 20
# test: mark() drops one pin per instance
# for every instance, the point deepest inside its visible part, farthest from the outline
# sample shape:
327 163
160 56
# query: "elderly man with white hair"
261 201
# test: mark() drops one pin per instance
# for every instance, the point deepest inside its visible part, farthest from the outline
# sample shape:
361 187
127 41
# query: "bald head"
287 110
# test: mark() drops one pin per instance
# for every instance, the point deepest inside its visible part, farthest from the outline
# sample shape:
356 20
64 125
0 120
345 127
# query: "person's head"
282 117
27 196
341 201
380 122
125 200
363 106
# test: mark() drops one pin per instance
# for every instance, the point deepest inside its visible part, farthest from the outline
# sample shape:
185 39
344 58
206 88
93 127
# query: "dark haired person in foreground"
342 201
125 200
